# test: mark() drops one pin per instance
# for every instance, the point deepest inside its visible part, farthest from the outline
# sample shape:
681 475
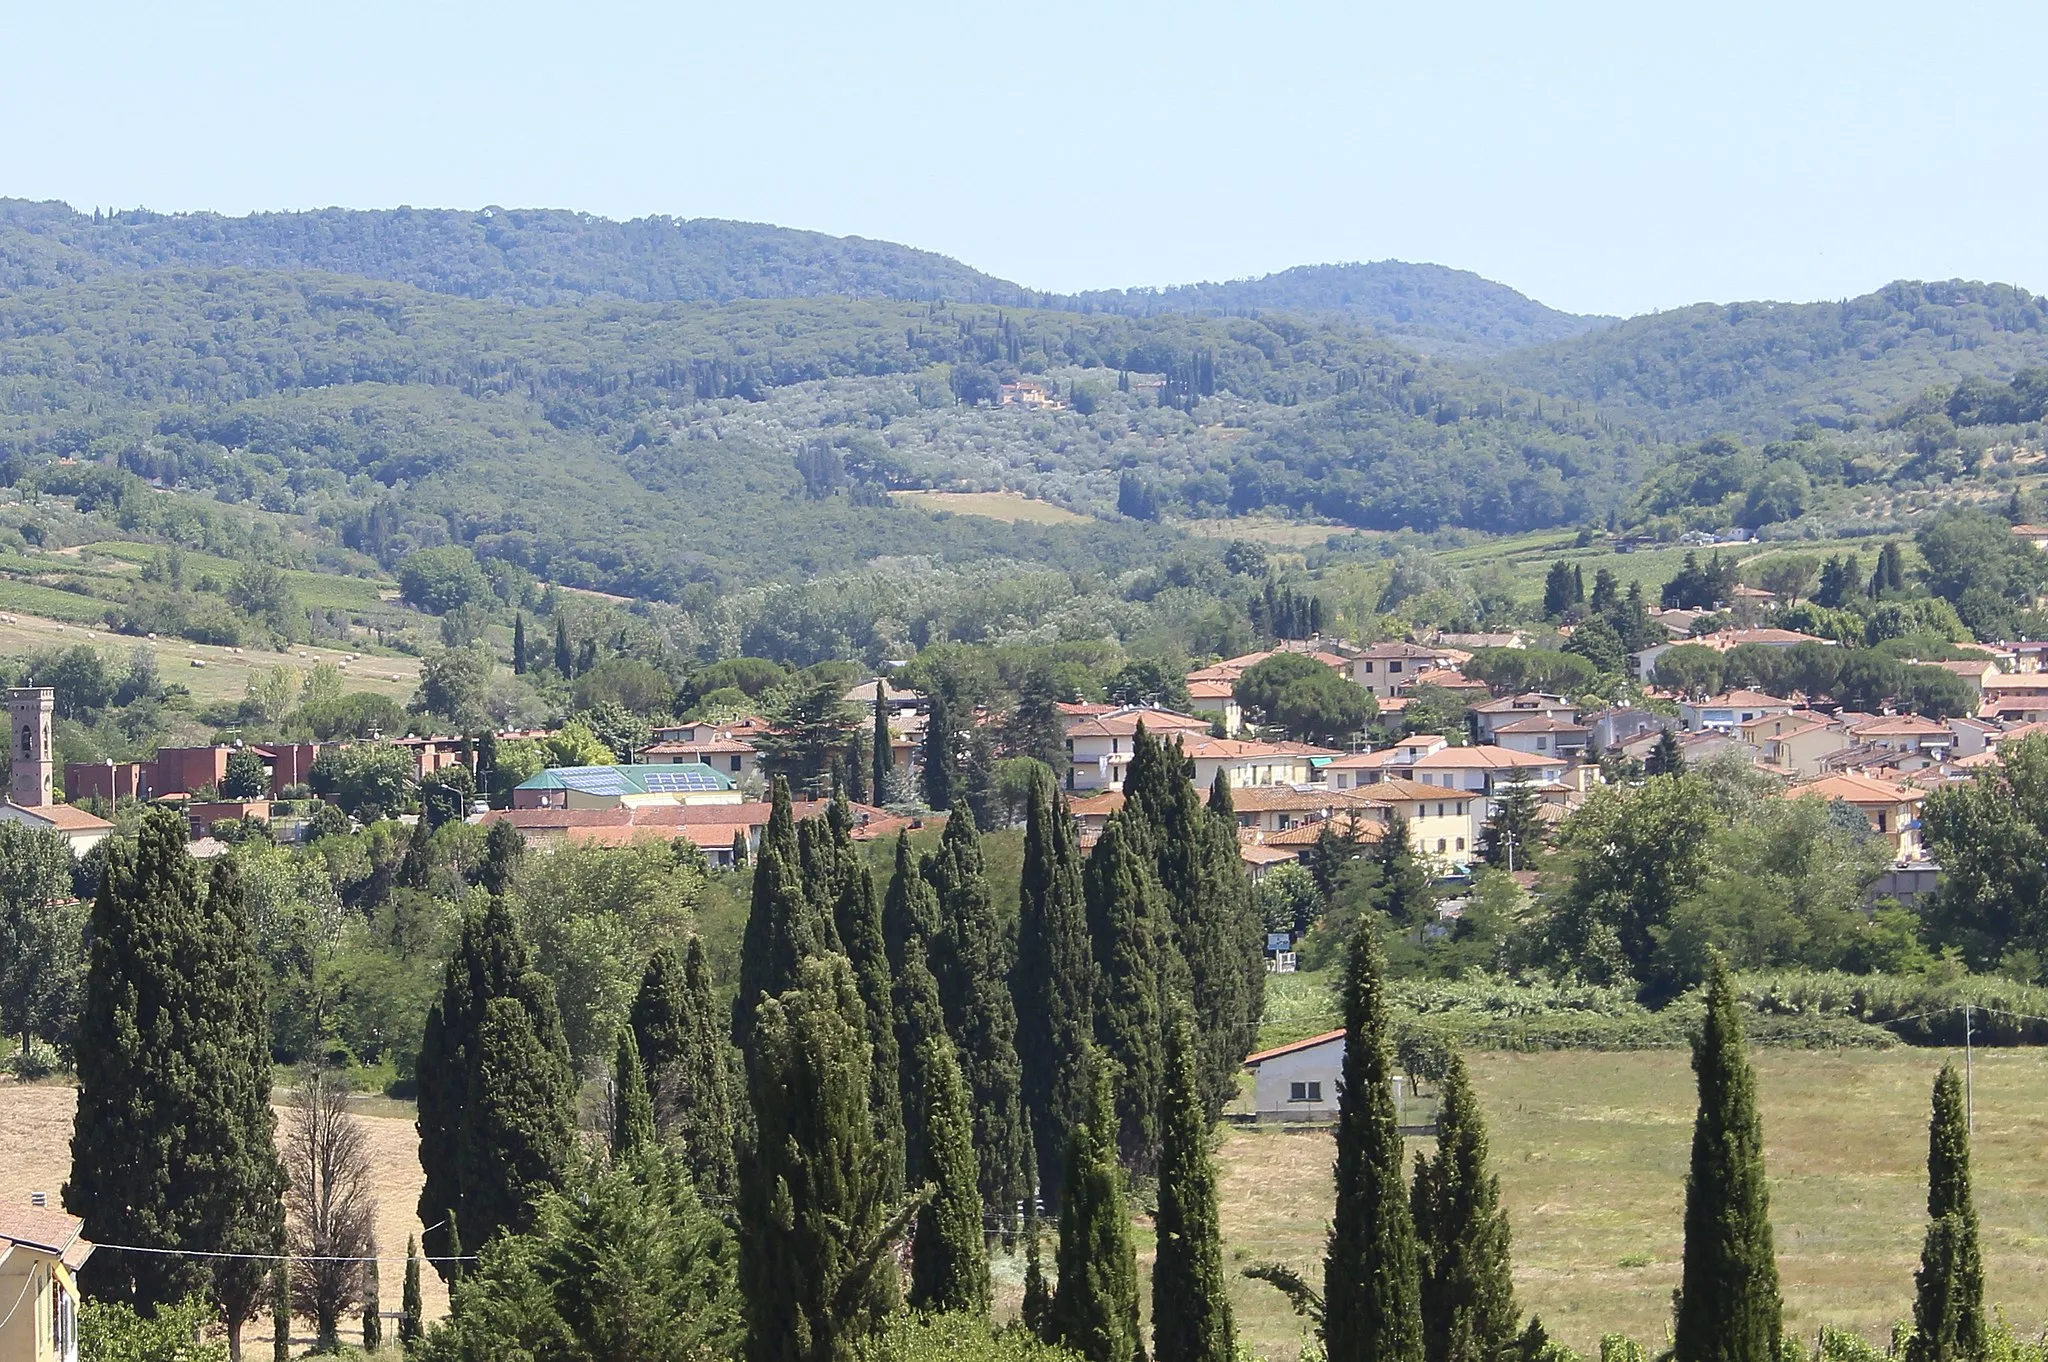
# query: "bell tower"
30 778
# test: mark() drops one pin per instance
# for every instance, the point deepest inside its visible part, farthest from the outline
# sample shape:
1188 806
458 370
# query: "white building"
1298 1082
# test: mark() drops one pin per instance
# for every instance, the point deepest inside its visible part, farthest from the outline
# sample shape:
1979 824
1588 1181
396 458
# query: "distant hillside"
1439 311
1762 368
531 256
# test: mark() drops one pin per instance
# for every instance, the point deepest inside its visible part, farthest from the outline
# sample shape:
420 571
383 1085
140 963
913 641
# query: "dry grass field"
1591 1150
1010 507
35 1156
226 673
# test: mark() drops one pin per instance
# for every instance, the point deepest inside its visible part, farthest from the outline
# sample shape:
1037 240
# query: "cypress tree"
814 1223
632 1106
1191 1320
1948 1305
281 1312
949 1255
919 1021
496 1094
373 1305
1468 1288
1371 1290
504 848
1123 922
781 928
938 755
1036 1311
412 1317
683 1049
1053 981
1727 1307
970 958
739 849
911 907
565 657
1667 758
173 1139
1095 1306
519 643
859 921
881 755
1227 865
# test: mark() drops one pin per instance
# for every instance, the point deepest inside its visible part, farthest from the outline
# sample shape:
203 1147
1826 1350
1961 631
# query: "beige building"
1893 809
41 1251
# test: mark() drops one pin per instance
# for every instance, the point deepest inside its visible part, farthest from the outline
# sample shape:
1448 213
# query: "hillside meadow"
1591 1150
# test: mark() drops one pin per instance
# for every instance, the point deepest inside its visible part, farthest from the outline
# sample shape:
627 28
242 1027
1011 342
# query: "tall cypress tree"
860 931
632 1106
881 754
683 1046
496 1093
519 643
782 929
815 1226
1095 1306
172 1141
938 755
919 1020
1468 1287
412 1314
373 1305
1727 1307
1191 1319
1371 1289
1127 942
949 1254
1226 862
970 958
911 908
1053 983
1948 1305
565 657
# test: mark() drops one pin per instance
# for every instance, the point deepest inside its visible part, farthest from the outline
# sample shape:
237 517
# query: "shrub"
39 1061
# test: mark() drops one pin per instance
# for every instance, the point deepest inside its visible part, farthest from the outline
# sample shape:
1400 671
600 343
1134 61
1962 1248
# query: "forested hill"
1438 311
641 448
546 256
1761 369
532 256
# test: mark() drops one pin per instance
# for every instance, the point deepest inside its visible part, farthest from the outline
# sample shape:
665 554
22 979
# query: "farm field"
1010 507
1591 1151
321 590
225 675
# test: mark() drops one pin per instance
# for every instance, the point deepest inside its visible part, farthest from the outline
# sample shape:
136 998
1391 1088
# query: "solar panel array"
681 780
595 780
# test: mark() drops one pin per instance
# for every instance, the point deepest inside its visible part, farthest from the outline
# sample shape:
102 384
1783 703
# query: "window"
1365 667
1439 812
1543 744
1305 1092
1461 844
1393 667
1440 845
736 765
1461 808
24 739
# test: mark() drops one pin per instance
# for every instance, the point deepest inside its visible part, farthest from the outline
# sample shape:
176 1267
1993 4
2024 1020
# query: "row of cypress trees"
1424 1272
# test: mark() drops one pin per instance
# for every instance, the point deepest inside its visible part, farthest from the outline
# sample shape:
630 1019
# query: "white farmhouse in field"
1298 1082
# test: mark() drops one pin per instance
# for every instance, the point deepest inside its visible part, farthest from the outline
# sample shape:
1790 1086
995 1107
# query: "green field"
322 590
1009 507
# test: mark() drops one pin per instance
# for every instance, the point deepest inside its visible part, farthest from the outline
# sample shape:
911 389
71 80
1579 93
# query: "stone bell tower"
30 778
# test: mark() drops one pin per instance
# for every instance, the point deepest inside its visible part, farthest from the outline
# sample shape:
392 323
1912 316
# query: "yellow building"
40 1252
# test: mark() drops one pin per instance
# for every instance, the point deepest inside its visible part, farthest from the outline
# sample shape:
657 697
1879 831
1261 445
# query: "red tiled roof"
1260 1057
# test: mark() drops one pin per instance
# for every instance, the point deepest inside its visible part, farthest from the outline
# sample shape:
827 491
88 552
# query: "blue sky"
1600 157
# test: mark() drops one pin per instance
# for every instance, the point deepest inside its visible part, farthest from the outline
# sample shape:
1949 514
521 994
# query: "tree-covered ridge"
1438 311
532 256
640 447
1763 368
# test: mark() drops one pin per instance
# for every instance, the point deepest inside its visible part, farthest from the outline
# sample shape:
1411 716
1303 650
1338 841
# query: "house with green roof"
625 787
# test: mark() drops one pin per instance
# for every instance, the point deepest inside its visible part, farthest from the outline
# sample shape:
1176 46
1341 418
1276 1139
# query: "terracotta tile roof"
1264 855
1740 699
1482 758
725 747
1227 749
1855 789
1203 689
66 817
1902 726
1124 722
1530 700
52 1231
1254 1060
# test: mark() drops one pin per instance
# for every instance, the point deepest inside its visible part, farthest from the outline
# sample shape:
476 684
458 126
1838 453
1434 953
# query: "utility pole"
1969 1074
